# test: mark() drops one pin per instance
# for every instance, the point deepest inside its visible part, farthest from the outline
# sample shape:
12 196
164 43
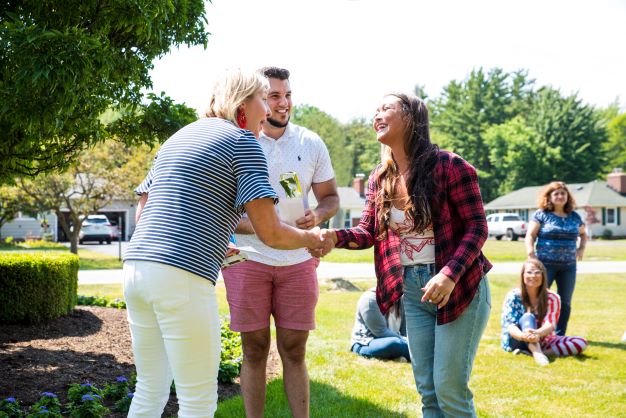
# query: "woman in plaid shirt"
424 216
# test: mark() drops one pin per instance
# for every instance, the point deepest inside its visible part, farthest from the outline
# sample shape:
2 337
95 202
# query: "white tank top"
414 248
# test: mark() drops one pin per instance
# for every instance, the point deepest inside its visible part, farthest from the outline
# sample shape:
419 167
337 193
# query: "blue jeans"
443 355
565 277
527 321
385 348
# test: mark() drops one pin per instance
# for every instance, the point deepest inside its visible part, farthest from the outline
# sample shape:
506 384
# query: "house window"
611 216
347 222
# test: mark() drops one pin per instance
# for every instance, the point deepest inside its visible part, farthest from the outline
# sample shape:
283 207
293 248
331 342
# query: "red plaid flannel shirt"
460 230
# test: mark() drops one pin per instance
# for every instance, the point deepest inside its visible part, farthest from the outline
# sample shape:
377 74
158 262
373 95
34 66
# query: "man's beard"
277 124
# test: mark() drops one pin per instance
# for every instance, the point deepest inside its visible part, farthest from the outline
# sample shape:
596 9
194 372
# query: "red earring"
241 119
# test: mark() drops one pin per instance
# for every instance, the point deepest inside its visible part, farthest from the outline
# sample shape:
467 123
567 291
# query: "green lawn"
504 385
89 260
498 251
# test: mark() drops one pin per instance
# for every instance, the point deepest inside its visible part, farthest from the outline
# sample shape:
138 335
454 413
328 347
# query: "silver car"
96 228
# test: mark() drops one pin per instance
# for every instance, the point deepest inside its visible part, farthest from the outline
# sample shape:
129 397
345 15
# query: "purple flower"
10 399
86 385
49 394
131 395
87 397
121 379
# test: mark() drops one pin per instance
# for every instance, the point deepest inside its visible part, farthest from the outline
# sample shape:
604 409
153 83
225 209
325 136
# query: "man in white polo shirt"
281 283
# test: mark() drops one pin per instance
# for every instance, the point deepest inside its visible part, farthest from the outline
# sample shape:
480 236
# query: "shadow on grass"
78 323
618 345
326 401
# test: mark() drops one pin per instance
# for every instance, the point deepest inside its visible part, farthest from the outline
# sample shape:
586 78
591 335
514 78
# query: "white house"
351 201
601 204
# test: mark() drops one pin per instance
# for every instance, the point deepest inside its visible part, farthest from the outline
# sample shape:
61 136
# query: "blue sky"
345 54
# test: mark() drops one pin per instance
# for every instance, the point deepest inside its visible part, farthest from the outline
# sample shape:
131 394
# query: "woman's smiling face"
389 122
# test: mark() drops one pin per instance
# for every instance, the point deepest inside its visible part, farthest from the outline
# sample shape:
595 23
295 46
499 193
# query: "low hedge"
36 287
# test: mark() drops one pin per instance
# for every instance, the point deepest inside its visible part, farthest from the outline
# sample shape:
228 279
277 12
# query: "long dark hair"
422 156
542 296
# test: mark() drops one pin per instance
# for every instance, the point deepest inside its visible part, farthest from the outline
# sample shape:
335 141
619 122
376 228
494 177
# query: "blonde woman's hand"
438 290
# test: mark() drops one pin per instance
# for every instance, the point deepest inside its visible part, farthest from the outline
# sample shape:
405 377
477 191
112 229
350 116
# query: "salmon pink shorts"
288 293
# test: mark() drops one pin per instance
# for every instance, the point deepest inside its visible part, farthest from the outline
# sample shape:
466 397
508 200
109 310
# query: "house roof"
595 193
348 198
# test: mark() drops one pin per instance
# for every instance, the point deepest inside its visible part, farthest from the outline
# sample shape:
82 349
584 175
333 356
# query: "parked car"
507 225
96 228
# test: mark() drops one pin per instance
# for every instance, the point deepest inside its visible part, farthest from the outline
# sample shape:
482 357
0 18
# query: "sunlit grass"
504 385
498 251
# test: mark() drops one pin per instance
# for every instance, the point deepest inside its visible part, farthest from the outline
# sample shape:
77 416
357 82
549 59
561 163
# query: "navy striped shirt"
198 185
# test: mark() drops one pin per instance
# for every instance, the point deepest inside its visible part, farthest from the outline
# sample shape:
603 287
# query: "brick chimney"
359 184
617 181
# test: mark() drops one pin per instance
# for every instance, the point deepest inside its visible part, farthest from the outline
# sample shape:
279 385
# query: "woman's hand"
580 253
330 239
232 249
438 290
531 336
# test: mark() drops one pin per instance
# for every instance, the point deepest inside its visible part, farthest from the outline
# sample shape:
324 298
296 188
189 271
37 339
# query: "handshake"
321 241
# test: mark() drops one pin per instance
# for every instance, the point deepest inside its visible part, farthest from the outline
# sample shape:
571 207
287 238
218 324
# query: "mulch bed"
92 344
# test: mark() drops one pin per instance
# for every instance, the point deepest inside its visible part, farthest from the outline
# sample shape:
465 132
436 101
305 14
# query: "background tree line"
514 133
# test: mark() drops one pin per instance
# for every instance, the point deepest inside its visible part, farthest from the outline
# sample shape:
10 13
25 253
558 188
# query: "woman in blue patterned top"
203 178
556 236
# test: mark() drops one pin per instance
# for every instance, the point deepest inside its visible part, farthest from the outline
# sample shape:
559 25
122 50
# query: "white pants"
174 323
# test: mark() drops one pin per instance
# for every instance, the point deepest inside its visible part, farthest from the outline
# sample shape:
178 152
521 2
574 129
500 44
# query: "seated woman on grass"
377 335
529 316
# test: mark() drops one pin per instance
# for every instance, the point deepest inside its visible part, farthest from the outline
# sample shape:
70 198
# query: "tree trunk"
74 241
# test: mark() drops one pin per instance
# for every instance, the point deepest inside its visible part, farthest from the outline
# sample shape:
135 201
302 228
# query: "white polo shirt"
304 152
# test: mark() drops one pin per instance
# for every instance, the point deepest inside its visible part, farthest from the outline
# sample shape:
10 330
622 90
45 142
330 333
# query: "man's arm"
327 205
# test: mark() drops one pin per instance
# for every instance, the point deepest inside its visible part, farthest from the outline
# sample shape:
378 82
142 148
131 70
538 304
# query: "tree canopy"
62 64
516 135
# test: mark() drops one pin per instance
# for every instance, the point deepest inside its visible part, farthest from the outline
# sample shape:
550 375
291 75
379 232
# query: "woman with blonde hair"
557 237
424 216
529 317
203 178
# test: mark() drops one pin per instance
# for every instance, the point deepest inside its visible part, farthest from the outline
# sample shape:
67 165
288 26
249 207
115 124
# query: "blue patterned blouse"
556 240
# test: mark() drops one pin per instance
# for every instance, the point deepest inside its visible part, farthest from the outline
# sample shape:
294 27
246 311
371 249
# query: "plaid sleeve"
362 235
464 195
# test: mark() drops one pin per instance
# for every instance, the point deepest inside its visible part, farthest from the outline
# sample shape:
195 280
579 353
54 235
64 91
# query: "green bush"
231 354
607 234
35 287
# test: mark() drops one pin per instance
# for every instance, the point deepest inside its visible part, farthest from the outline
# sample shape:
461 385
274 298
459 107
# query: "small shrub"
231 356
36 287
10 408
90 406
117 390
92 300
76 392
123 405
47 406
607 234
